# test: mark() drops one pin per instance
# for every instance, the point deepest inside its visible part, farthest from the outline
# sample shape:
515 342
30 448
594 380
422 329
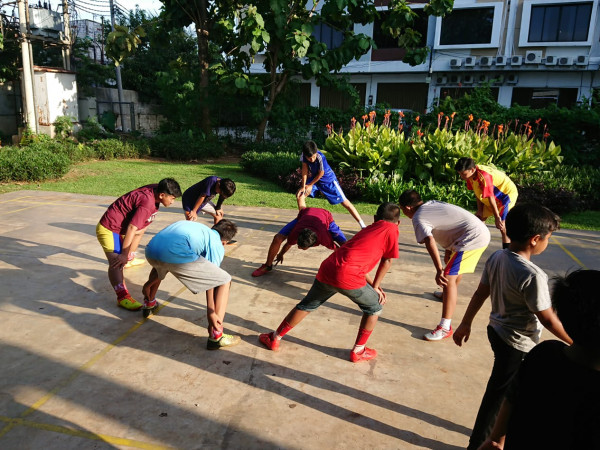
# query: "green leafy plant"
31 164
270 165
63 126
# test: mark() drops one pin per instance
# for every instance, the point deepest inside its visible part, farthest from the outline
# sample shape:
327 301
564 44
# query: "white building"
532 52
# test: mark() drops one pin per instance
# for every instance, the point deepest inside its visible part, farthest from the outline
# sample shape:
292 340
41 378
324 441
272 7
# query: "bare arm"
552 323
302 189
193 214
494 208
130 234
463 332
432 249
301 199
384 267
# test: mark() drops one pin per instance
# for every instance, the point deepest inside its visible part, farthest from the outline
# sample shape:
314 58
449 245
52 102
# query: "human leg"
449 297
506 363
353 212
278 239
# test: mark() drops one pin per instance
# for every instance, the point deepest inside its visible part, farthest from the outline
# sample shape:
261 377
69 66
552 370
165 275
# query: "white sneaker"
438 334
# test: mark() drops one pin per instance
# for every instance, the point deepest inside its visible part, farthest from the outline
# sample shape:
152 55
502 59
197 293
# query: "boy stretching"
562 382
323 179
495 193
198 198
122 226
312 227
520 301
192 252
346 271
464 239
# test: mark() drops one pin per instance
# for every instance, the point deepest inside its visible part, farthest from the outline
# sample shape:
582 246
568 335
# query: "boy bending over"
198 198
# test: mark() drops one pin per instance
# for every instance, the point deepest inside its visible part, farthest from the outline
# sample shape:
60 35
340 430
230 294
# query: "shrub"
114 148
270 165
32 164
349 182
185 146
92 130
63 126
274 147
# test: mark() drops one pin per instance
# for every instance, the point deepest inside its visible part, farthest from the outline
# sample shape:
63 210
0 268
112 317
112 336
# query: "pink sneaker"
438 334
365 355
268 341
263 269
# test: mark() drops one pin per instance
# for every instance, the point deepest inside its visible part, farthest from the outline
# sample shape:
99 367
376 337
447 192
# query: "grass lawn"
114 178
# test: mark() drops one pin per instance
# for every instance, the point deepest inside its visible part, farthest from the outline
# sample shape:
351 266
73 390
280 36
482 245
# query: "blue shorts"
332 191
336 234
365 297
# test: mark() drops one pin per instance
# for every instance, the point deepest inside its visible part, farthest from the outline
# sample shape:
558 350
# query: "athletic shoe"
438 334
269 342
227 340
134 262
262 270
129 303
365 355
439 295
149 304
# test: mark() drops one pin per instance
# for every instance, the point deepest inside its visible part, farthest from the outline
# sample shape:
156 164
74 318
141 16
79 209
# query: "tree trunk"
202 36
278 82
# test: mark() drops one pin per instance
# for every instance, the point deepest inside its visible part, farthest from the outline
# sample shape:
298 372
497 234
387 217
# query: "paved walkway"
78 372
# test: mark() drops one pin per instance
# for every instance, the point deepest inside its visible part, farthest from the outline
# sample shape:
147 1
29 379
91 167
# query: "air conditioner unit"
565 61
498 79
470 61
440 79
454 79
455 63
468 79
500 60
485 61
533 57
516 60
551 60
581 60
482 78
512 78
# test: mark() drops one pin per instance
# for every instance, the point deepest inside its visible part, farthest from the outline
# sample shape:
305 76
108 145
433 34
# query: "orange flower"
364 118
470 117
440 114
372 115
401 113
352 122
420 133
537 122
453 114
546 135
500 129
417 118
367 124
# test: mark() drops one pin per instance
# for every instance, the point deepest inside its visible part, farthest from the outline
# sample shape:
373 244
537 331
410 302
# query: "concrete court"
77 372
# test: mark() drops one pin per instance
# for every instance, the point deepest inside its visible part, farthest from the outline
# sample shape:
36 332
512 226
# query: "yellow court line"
36 204
83 367
573 257
85 434
17 199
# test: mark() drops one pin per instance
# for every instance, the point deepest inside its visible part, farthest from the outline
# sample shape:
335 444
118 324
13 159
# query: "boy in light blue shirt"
192 252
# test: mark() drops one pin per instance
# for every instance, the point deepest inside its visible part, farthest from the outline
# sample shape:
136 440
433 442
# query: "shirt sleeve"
422 231
392 250
537 294
485 277
486 182
320 163
141 217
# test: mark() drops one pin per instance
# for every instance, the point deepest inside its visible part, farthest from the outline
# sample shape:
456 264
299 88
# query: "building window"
387 46
560 22
330 37
468 26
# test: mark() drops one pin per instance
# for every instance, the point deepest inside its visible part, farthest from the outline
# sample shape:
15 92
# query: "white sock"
445 323
276 336
358 348
362 224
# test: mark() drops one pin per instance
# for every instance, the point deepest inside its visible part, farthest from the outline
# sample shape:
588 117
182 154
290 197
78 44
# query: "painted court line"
573 257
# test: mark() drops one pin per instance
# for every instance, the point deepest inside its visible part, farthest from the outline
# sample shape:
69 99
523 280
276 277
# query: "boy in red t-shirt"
312 227
346 271
122 226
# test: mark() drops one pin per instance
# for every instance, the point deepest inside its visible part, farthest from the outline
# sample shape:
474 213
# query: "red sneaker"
365 355
263 269
268 341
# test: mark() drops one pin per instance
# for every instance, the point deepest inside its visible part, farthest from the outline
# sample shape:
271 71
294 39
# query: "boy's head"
388 211
226 229
527 220
309 150
168 190
577 302
307 238
409 202
465 167
226 187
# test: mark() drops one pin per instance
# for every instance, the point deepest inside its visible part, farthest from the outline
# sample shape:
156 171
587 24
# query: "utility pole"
66 48
27 68
118 70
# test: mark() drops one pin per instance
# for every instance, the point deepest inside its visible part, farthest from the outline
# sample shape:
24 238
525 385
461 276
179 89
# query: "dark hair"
388 211
227 187
464 164
577 302
169 186
409 197
526 220
307 238
226 229
309 148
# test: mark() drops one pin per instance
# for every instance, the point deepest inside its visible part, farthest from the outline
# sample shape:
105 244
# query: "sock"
505 245
362 224
282 330
215 335
121 291
361 340
445 323
131 256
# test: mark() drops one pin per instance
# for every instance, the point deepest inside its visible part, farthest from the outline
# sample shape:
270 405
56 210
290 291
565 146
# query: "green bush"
63 126
92 130
32 164
115 148
270 165
274 147
185 146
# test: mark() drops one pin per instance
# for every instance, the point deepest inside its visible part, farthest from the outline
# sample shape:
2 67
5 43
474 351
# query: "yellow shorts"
463 262
110 241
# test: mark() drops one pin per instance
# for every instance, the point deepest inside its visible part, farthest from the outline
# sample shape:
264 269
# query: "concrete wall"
55 96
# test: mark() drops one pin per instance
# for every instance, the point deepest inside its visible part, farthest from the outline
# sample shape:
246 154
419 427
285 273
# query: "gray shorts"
198 276
365 297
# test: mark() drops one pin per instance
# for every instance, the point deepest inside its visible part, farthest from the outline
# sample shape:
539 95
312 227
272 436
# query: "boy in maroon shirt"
122 226
346 271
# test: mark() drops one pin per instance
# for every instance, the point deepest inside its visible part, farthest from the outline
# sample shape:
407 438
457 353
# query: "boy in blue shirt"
192 252
323 179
